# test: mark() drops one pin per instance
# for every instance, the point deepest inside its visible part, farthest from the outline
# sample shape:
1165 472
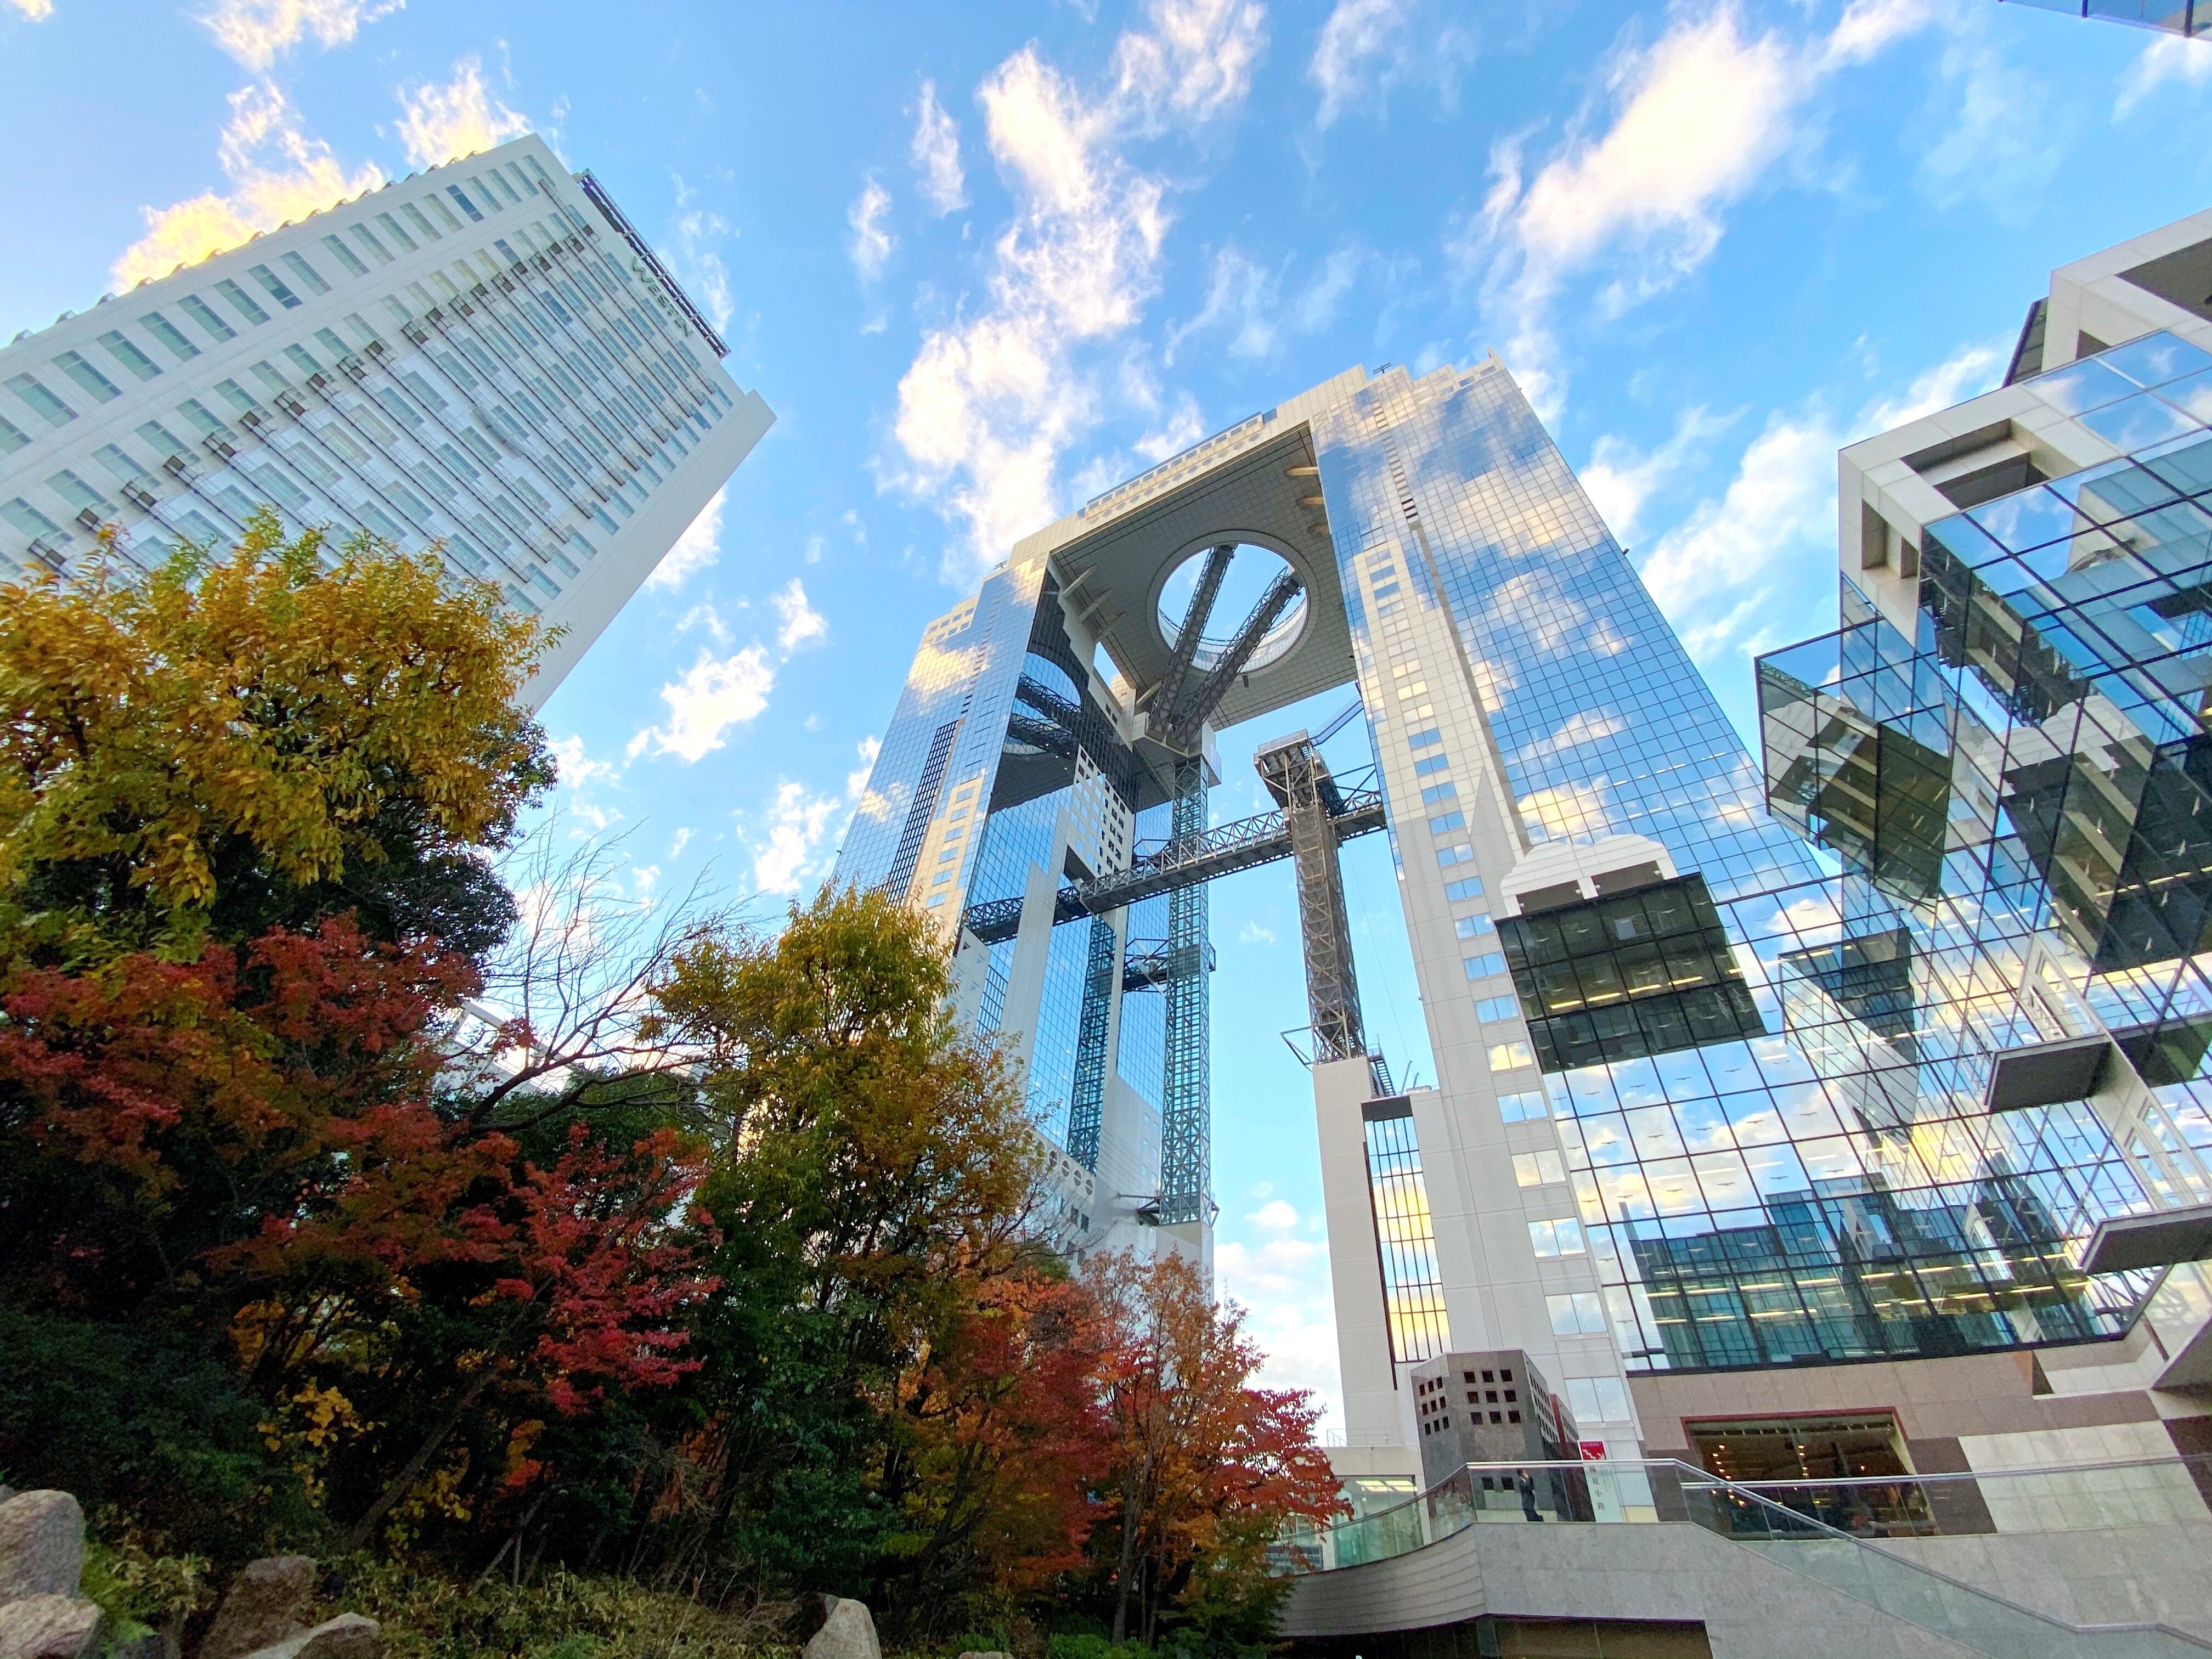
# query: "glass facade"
1413 1283
465 361
2051 706
1766 1073
1003 771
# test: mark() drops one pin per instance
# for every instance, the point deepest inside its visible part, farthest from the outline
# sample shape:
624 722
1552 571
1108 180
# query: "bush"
556 1616
136 1419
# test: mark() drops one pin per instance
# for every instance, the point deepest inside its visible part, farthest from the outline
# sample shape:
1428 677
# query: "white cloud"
937 154
1317 304
797 822
695 549
716 694
1368 47
2167 60
2004 131
1283 1280
990 403
1722 574
872 243
1642 180
578 773
676 846
1618 478
277 174
697 231
802 624
258 32
1240 300
36 11
440 123
1277 1215
856 780
1254 932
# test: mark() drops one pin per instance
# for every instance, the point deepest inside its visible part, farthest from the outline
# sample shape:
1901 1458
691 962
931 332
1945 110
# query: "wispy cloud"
277 174
1621 479
936 154
258 32
797 822
802 625
2168 60
440 122
36 10
699 232
992 402
1639 188
695 549
1724 573
872 242
793 847
1367 47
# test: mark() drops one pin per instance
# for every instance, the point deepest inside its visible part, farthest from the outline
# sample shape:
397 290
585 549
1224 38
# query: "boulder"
42 1546
847 1634
49 1627
349 1636
982 1654
270 1601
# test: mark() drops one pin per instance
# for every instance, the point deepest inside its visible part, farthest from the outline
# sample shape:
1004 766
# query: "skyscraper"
1763 1090
485 356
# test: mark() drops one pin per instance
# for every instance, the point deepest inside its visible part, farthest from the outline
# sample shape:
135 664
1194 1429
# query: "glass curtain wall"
1805 1169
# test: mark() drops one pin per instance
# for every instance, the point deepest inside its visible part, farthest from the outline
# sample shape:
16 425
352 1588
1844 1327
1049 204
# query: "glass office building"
485 359
1742 1066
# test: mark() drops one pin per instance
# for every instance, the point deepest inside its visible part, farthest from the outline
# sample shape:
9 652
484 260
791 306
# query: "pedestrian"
1527 1487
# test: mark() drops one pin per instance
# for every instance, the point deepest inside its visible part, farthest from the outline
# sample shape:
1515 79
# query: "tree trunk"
413 1469
1131 1517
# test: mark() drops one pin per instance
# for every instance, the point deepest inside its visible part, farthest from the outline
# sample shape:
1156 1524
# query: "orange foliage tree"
1204 1468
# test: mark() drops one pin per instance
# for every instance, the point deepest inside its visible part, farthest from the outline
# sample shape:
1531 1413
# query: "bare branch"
567 1002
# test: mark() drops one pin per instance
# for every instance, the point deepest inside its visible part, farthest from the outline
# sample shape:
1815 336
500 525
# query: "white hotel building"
484 358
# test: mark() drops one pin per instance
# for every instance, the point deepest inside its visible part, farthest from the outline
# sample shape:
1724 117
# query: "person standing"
1527 1487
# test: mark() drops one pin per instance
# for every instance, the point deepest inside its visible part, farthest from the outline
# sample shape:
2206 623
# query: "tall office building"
485 357
1849 1097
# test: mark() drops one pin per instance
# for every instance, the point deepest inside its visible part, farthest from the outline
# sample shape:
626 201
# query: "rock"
49 1626
42 1546
984 1654
270 1601
847 1634
153 1644
349 1636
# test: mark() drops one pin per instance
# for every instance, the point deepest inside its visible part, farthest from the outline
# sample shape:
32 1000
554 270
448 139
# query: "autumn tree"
872 1188
1205 1468
247 811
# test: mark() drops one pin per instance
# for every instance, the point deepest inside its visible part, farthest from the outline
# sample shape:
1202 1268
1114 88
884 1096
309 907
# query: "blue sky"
984 259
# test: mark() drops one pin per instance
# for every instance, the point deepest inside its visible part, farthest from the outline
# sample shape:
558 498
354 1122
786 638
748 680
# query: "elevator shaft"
1299 779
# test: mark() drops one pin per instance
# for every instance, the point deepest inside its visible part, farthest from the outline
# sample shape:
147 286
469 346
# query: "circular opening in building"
1252 572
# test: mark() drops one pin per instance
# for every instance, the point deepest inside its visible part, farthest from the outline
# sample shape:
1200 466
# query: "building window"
1551 1238
1412 1284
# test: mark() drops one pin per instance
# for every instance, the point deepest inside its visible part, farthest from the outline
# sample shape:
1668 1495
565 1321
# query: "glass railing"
2077 1497
1821 1529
